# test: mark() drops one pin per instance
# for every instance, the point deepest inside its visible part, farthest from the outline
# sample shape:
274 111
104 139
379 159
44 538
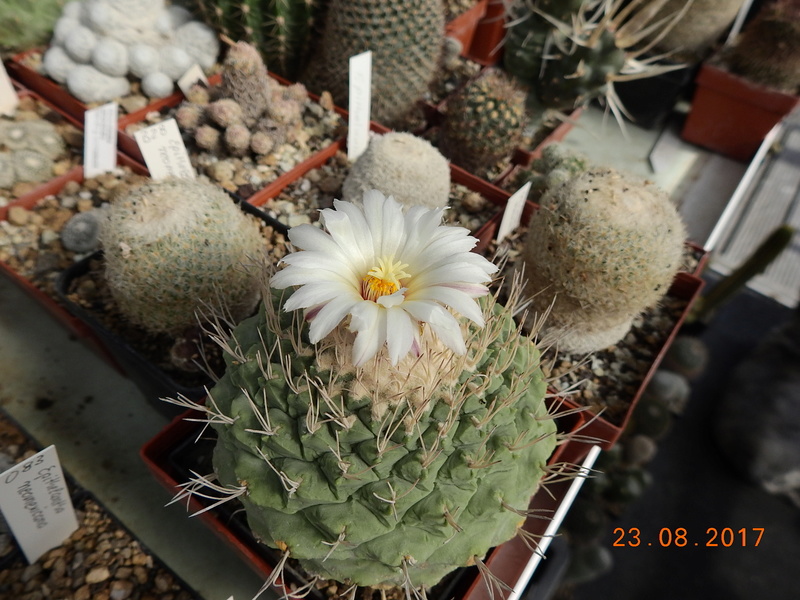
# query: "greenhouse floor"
64 394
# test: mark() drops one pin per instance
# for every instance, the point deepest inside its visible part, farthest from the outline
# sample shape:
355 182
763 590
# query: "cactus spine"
406 40
281 29
602 249
177 247
570 52
484 122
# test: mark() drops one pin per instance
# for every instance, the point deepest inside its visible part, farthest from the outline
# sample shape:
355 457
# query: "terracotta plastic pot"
464 25
731 115
179 449
487 43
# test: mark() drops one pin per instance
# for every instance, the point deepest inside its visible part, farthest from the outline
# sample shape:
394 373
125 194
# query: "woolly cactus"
405 38
31 166
248 112
382 455
403 166
570 52
37 134
484 122
82 232
280 29
602 249
767 51
175 247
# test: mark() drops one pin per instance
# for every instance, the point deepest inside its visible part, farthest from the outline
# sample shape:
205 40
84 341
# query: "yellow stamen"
384 279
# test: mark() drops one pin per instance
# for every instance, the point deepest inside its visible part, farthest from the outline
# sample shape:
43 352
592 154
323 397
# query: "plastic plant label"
8 95
360 98
513 212
164 151
100 140
35 501
193 75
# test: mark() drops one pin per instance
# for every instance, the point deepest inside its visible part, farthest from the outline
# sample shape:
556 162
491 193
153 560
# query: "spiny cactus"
555 166
767 51
174 248
248 112
403 166
602 248
570 52
484 122
282 30
406 40
25 25
381 449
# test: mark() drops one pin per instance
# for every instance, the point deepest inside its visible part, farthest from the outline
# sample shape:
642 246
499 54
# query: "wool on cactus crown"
381 475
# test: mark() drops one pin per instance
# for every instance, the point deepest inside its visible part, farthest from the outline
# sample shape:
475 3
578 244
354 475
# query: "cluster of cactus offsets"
386 475
767 51
484 122
29 151
403 166
282 30
555 166
25 25
248 113
602 248
570 52
406 40
178 248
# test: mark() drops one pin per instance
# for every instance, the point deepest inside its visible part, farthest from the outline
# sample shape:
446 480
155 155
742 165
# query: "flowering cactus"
381 440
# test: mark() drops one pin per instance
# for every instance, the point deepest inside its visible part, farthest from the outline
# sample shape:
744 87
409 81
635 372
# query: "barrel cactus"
570 52
406 40
381 441
174 248
404 166
484 122
603 248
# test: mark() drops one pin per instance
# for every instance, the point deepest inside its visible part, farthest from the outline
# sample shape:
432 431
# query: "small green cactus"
406 40
174 248
602 249
25 25
484 122
401 165
570 52
282 30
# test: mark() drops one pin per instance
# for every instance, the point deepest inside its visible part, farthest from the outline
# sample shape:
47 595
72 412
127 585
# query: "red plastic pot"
731 115
168 455
487 43
464 25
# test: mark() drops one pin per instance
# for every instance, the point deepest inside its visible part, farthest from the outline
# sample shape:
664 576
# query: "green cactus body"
602 249
572 52
25 25
484 122
280 29
177 247
406 40
382 475
403 166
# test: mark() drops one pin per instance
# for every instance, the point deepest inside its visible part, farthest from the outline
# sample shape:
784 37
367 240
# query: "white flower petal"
313 294
329 316
369 323
385 219
399 333
308 237
444 325
455 299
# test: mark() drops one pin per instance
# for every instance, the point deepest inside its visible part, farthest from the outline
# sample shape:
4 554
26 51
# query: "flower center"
384 279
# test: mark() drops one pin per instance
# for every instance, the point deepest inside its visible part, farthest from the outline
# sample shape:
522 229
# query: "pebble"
97 575
17 215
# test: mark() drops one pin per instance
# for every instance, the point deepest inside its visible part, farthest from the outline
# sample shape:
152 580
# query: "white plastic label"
192 76
8 95
164 151
513 212
360 98
100 140
35 501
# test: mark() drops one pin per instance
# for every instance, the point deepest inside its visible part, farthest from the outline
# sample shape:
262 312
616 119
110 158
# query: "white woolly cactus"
602 248
176 247
98 44
397 431
403 166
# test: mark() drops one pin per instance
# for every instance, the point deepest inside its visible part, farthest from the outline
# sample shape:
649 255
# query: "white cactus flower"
390 272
